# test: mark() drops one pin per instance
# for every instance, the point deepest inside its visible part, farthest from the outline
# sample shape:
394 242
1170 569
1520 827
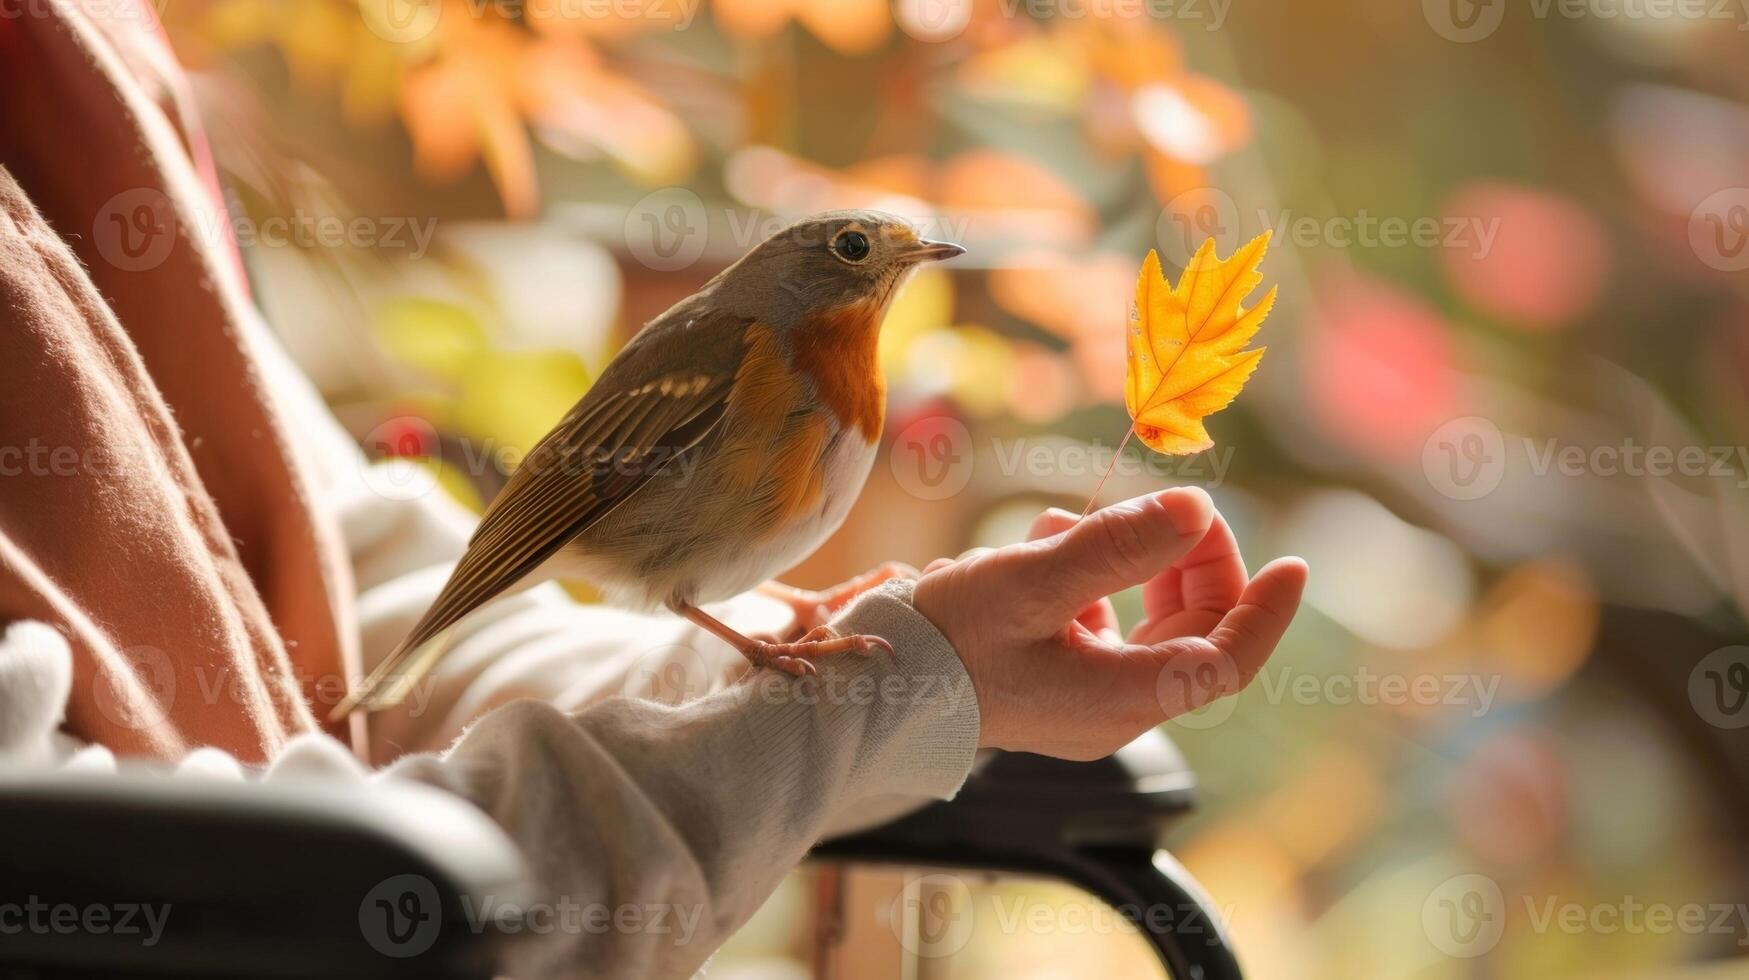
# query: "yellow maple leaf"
1185 345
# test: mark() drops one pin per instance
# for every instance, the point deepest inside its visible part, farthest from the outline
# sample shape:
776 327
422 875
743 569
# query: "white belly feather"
783 550
729 568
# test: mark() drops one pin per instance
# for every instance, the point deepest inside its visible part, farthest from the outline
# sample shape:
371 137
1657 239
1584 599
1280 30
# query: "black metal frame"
1095 825
325 880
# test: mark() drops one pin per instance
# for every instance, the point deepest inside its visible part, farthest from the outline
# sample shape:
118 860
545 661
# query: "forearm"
694 813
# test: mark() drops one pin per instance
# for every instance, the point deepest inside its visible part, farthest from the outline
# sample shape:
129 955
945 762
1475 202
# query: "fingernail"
1060 512
1189 508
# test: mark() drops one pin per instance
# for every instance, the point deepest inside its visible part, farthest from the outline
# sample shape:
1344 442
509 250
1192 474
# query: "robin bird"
720 447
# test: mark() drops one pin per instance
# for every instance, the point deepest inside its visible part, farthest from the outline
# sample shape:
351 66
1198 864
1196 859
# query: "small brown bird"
720 447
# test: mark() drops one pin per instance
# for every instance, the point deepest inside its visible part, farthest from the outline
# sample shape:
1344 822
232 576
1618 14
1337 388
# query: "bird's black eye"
853 245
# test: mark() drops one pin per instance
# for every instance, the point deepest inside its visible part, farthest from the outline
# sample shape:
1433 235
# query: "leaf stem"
1131 431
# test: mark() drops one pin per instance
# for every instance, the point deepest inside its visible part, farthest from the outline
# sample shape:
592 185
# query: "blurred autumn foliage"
1494 252
478 83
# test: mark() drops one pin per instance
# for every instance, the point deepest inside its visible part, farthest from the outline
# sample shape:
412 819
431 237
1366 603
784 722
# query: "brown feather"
619 437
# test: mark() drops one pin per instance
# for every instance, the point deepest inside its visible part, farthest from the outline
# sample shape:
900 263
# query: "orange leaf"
1185 346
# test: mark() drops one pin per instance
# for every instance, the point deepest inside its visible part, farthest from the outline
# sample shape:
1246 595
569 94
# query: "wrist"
925 674
931 598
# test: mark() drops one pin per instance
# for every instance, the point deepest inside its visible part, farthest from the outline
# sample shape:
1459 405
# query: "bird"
719 447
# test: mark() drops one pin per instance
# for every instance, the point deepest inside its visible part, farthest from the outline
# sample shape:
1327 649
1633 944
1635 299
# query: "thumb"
1112 549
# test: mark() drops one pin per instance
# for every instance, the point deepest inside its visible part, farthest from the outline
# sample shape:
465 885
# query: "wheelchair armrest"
146 876
1126 798
1093 824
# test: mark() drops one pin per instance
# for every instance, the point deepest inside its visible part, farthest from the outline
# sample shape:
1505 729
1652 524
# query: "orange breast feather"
777 457
837 350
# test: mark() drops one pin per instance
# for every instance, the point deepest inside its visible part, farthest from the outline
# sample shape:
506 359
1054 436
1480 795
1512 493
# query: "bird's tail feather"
394 678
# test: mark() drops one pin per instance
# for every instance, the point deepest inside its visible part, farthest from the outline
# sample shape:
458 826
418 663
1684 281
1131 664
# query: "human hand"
1032 624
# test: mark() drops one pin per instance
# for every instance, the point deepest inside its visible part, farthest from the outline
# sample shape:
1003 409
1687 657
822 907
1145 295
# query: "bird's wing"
663 395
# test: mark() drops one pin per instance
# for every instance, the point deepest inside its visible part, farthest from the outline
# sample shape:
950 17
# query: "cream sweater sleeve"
695 802
687 817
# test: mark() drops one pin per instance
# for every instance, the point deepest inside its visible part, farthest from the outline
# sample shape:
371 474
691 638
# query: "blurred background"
1502 414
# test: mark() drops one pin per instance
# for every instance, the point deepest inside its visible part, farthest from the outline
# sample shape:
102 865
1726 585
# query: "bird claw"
795 658
812 608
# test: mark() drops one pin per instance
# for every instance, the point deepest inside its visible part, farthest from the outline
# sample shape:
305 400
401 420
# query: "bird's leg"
791 658
813 608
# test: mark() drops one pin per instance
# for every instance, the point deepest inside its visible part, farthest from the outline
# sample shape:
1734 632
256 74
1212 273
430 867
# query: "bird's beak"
927 251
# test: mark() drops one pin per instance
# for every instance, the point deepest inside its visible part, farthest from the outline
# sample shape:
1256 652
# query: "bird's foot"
796 657
813 608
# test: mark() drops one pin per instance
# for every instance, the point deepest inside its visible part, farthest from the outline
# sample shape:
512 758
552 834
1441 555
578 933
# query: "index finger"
1108 551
